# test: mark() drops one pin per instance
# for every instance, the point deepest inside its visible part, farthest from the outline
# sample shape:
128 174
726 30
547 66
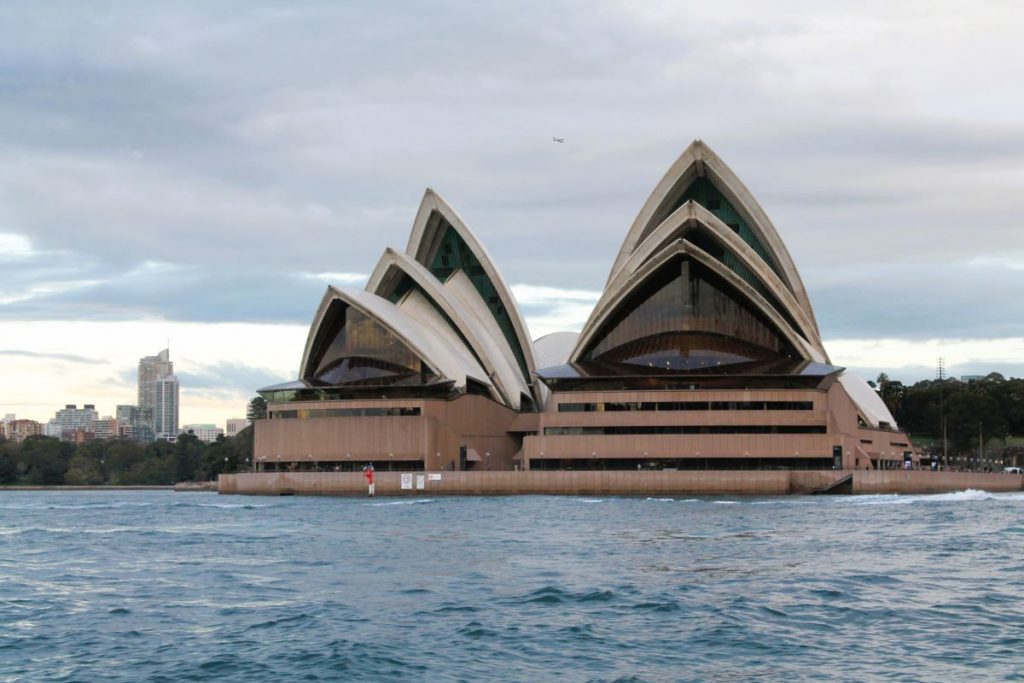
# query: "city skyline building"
165 408
71 419
207 433
235 425
132 424
157 398
17 431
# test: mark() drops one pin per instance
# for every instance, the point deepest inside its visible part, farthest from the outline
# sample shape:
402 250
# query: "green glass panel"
704 192
453 254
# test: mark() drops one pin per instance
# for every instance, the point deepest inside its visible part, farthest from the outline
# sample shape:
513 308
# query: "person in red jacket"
368 473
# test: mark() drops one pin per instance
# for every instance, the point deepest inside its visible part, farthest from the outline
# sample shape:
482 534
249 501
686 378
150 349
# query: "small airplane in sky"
558 139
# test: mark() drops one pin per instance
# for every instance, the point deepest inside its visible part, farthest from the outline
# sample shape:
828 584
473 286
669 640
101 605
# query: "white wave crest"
966 496
401 502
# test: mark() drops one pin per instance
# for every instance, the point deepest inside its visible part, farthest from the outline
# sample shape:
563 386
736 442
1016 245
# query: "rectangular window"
687 429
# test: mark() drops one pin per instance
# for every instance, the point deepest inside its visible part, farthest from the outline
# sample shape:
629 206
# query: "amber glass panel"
362 351
685 317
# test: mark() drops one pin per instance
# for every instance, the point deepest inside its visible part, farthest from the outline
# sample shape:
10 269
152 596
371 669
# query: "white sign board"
407 481
421 482
434 476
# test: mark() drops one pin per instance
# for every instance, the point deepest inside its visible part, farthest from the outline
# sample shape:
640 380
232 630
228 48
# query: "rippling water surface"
133 586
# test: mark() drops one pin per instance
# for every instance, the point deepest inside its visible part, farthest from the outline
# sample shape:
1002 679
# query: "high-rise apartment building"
72 418
165 408
133 423
19 430
158 397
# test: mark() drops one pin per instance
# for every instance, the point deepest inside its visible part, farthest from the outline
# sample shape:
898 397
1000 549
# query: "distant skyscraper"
165 409
158 396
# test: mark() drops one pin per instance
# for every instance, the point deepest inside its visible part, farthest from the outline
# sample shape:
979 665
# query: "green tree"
220 456
84 470
257 409
121 456
44 460
891 392
156 469
8 465
188 457
971 412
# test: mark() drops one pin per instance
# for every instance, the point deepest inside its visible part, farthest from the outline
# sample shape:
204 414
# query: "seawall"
612 482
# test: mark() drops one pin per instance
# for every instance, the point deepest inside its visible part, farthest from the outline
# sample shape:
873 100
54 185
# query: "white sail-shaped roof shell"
698 160
554 349
466 310
427 234
692 215
417 325
871 406
621 295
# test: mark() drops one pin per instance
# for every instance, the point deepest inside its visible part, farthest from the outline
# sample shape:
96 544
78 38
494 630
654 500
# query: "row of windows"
344 412
686 429
665 464
683 405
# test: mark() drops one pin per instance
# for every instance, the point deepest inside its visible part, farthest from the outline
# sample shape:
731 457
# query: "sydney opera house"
702 353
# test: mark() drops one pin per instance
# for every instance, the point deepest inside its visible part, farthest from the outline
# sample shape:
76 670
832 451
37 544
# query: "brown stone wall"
623 483
923 481
433 437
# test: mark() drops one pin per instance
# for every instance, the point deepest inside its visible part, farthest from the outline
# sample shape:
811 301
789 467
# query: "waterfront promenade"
616 482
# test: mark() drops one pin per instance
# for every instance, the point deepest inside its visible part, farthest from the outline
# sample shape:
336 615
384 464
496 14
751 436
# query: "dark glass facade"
686 317
685 429
358 350
308 413
674 406
453 254
717 249
704 192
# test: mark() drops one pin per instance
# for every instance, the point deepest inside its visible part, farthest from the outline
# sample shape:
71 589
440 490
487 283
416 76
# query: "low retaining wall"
612 482
923 481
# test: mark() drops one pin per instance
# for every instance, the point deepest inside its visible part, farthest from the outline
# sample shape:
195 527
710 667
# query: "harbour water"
158 586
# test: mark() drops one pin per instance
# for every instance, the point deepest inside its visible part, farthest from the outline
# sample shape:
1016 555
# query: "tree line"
46 461
982 409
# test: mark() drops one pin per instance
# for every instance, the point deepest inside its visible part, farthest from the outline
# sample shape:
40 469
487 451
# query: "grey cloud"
71 358
917 301
244 142
233 378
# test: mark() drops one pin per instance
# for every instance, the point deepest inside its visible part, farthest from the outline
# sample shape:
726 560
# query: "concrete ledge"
614 482
69 487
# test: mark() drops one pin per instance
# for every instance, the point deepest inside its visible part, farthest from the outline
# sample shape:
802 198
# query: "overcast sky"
199 172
